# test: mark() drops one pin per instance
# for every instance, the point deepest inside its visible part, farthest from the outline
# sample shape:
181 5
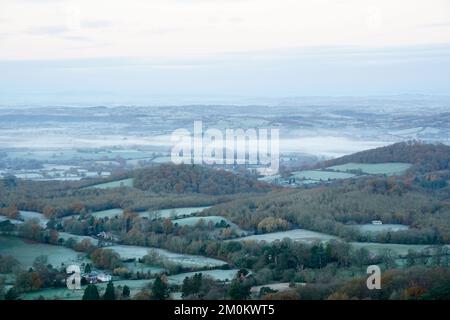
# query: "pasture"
113 184
388 168
320 175
27 251
295 235
185 260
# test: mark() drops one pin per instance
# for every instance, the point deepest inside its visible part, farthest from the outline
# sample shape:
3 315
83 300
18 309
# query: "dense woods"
168 178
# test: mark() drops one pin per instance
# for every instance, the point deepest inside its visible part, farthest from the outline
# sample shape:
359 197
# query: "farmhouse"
95 277
107 236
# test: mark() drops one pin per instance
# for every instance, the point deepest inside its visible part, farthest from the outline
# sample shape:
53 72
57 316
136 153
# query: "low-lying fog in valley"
70 143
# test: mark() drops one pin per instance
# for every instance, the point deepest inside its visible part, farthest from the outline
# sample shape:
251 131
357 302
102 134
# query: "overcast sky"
100 49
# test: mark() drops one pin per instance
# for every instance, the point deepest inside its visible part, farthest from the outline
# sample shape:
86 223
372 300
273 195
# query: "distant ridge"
425 157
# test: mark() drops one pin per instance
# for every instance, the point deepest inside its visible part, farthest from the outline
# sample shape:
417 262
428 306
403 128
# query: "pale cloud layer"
133 51
71 29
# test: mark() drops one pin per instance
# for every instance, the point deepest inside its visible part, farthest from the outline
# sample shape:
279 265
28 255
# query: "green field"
278 286
320 175
26 252
270 179
111 213
221 275
163 159
171 213
134 285
191 221
30 215
13 221
165 213
379 227
66 294
388 168
295 235
77 238
54 294
397 249
140 267
185 260
113 184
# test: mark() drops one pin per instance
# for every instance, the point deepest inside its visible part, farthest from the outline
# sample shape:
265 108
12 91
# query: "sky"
146 51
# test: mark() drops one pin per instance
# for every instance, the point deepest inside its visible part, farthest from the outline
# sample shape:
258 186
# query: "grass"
388 168
320 175
295 235
29 215
113 184
13 221
192 221
278 286
137 266
26 252
65 294
220 275
172 213
66 236
111 213
185 260
379 227
397 249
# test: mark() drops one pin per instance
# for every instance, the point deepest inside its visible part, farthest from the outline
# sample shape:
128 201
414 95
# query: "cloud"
47 30
79 38
97 24
436 25
200 28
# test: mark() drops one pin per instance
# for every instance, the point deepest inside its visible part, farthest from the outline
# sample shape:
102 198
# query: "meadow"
217 274
388 168
27 251
30 215
295 235
379 227
185 260
320 175
110 213
172 212
113 184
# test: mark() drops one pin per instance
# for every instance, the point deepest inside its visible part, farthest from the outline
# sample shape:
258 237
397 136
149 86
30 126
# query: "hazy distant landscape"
70 143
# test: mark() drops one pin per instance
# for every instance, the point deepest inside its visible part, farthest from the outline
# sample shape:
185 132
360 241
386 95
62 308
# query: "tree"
126 291
91 293
106 259
88 268
11 294
8 264
109 292
28 281
2 288
441 292
160 289
239 290
191 285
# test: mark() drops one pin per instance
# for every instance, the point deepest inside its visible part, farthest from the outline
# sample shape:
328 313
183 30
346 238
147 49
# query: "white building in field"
95 277
103 277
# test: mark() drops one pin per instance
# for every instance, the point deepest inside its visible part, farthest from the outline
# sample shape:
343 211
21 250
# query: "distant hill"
424 157
170 178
